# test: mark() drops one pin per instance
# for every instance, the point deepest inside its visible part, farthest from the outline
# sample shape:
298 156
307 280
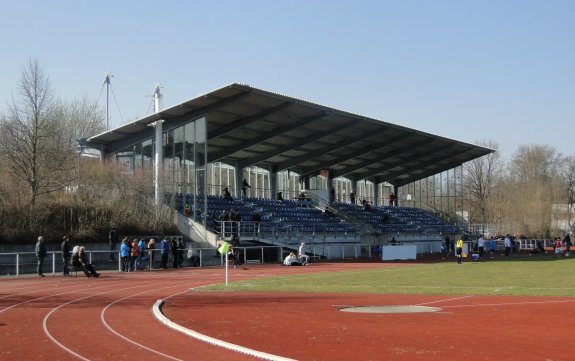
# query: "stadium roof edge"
250 126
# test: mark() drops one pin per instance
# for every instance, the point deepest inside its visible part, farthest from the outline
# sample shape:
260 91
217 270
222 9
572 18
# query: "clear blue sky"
499 70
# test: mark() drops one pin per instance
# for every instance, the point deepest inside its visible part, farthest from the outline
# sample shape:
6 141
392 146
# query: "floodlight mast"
158 98
158 156
107 82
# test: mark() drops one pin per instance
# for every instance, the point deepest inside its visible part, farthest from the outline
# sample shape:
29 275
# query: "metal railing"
21 263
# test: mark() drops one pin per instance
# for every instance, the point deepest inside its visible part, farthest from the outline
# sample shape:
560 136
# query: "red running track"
110 318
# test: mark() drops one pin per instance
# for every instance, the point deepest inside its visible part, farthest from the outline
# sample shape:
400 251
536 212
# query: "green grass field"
527 276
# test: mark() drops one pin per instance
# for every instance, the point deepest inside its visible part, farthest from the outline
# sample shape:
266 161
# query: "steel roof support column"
158 164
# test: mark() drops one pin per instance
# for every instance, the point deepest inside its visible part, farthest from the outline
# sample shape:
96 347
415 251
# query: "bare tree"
568 175
482 177
534 186
30 135
537 163
82 118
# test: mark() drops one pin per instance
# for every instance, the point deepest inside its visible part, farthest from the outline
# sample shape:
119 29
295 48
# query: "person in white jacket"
291 260
303 258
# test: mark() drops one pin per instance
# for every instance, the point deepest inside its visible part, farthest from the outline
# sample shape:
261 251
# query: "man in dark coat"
41 253
65 248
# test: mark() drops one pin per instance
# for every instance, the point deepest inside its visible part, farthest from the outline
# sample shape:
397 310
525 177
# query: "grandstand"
284 145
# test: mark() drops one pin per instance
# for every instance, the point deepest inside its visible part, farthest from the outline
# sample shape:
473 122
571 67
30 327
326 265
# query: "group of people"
134 254
227 223
560 247
138 254
301 259
78 259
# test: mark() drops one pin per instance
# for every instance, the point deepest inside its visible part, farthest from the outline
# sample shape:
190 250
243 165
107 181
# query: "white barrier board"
389 253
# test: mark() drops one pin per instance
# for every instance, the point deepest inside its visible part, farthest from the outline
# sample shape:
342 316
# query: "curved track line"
214 341
103 319
42 298
36 289
45 320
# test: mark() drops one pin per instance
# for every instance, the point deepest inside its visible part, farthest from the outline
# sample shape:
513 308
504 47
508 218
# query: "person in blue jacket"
165 251
143 254
125 255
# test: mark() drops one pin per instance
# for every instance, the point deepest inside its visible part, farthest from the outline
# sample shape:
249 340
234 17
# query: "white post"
226 265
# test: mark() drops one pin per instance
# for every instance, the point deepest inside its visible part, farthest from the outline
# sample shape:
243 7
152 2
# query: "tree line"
47 187
531 195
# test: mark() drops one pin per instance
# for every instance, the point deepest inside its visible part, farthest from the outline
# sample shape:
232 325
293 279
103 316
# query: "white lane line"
45 321
103 319
49 296
512 303
444 300
37 290
214 341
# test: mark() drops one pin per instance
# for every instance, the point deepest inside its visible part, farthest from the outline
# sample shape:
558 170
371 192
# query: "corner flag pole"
224 248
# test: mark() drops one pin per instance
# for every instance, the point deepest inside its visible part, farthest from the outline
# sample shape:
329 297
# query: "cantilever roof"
249 126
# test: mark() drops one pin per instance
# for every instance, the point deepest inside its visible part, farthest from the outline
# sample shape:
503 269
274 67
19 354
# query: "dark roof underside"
249 126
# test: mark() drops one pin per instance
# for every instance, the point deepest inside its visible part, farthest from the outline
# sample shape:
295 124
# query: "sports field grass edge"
529 277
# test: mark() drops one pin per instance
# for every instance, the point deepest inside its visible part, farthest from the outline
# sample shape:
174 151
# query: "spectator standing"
332 196
174 249
125 255
245 186
448 244
143 254
165 251
151 248
352 198
391 199
459 250
303 258
507 244
41 253
134 255
567 241
65 248
235 218
227 194
181 249
481 245
492 247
